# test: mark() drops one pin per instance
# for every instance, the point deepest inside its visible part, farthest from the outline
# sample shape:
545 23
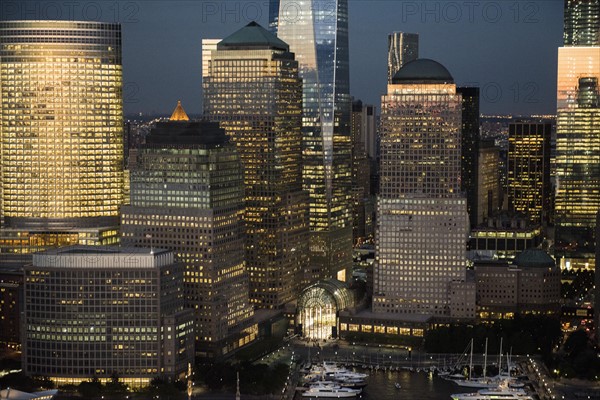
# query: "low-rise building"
529 286
106 311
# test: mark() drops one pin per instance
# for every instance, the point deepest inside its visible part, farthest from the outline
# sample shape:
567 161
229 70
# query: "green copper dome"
534 258
423 70
252 36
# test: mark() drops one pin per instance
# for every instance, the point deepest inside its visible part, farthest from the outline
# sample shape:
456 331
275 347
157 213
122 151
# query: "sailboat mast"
485 358
471 362
500 358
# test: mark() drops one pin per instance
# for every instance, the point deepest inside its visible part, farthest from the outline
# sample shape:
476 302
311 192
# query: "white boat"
13 394
502 392
324 390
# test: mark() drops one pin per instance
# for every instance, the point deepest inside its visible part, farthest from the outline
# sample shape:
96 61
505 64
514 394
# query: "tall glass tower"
317 32
402 48
578 135
61 134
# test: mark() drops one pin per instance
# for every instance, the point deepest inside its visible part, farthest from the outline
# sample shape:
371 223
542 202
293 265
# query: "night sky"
508 48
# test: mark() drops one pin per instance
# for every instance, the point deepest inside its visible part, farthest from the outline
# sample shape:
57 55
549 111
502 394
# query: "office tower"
317 32
402 48
11 303
578 175
470 149
62 134
422 221
104 311
208 45
529 169
577 135
362 210
582 23
489 195
254 92
187 195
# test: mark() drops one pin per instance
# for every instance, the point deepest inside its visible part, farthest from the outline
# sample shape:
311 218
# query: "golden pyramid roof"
179 113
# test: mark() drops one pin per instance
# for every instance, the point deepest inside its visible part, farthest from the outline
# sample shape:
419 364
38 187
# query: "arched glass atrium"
318 308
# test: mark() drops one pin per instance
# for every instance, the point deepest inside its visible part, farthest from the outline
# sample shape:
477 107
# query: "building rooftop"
534 258
179 113
109 257
252 36
182 132
423 70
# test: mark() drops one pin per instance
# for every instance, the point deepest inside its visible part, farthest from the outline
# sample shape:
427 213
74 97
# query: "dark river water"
414 386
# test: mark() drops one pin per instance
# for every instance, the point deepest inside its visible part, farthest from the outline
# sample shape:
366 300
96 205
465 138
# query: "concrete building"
187 195
100 311
422 221
530 285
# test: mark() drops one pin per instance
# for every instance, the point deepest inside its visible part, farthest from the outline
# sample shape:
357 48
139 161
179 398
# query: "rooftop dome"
252 36
423 70
534 258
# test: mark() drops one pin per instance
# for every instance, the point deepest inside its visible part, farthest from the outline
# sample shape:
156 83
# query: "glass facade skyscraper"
422 222
61 133
578 135
469 158
402 48
317 32
253 90
582 23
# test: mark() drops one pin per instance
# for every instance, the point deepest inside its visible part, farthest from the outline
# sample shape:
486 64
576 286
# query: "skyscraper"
317 32
582 23
105 311
402 48
362 210
422 221
488 182
529 169
62 134
470 149
187 195
578 134
253 90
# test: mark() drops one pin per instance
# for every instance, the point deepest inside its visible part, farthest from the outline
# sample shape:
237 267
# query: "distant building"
529 169
582 23
489 193
402 48
422 221
101 311
11 303
61 143
195 208
531 285
505 235
363 202
470 143
253 90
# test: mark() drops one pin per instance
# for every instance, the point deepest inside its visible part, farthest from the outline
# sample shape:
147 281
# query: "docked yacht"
330 390
502 392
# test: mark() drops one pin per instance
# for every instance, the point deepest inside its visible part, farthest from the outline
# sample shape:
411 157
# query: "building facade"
317 32
489 194
362 201
187 195
100 311
62 135
470 143
529 286
577 138
402 48
422 222
529 169
254 92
